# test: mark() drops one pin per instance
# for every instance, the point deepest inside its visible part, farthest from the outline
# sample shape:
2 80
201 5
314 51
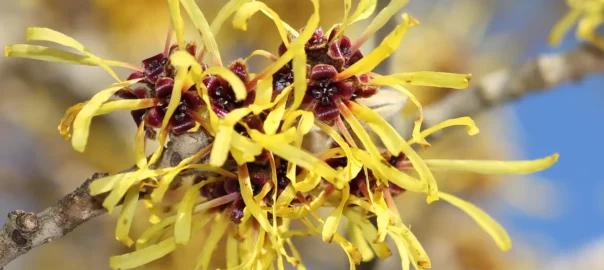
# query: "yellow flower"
589 14
259 178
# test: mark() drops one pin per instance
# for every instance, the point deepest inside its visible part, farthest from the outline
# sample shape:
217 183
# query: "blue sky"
570 120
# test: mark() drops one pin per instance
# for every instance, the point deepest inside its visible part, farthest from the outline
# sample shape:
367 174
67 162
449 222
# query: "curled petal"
495 230
274 118
295 48
385 49
416 252
150 253
250 203
232 254
471 127
224 134
177 23
379 21
587 29
211 242
249 9
563 26
139 146
231 78
492 166
299 70
389 81
293 154
200 22
395 144
106 184
332 222
126 105
81 124
353 165
182 225
45 34
143 256
154 232
59 56
435 79
368 233
356 237
364 9
124 220
389 173
264 93
68 118
227 10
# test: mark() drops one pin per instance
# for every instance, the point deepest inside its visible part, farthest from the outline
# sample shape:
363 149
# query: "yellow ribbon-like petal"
211 242
294 154
471 127
124 220
249 9
563 26
143 256
224 135
332 222
45 34
487 223
385 49
177 23
392 82
59 56
493 166
200 22
379 21
81 124
364 9
182 225
368 233
251 204
435 79
395 144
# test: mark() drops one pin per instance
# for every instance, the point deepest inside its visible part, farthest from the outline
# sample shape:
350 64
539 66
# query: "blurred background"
555 218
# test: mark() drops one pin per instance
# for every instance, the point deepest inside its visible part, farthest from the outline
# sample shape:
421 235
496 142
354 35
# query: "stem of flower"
344 130
168 42
216 202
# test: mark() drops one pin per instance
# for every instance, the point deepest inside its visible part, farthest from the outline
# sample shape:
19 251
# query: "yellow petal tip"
7 51
432 199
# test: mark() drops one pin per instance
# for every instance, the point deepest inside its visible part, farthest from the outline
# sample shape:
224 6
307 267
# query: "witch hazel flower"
254 179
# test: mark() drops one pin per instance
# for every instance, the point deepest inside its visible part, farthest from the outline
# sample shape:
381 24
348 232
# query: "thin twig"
537 75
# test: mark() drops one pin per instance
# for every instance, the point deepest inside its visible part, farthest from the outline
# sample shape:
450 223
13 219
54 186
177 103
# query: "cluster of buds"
255 177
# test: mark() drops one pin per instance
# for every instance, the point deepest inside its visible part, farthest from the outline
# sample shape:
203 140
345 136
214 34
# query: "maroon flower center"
158 83
221 94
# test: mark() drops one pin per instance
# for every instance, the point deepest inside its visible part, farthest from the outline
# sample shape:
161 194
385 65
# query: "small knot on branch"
27 222
22 225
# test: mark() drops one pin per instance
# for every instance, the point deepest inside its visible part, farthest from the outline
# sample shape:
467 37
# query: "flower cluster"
589 14
258 178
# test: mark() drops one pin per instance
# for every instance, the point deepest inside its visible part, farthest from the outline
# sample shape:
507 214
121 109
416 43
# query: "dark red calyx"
240 69
282 79
282 180
221 94
213 190
155 67
324 92
237 212
259 174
